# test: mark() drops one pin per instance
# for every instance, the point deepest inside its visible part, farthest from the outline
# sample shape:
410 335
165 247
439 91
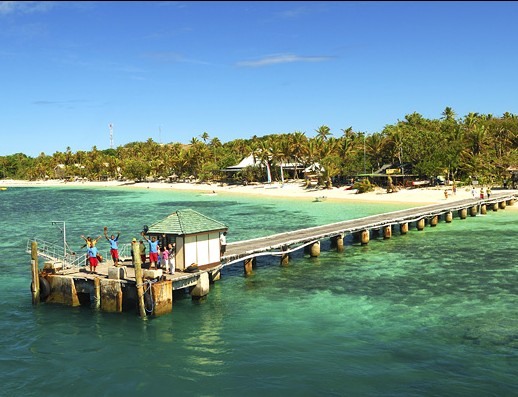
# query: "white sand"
292 189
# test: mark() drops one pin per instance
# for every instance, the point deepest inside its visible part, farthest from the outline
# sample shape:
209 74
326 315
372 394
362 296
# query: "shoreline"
291 189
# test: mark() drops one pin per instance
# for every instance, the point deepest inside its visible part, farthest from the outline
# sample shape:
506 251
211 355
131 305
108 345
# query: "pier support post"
420 224
387 232
483 209
434 221
35 285
495 207
511 202
473 211
315 249
248 265
448 217
365 237
63 290
202 287
111 295
214 276
403 228
163 296
502 205
140 289
463 213
97 293
340 243
285 258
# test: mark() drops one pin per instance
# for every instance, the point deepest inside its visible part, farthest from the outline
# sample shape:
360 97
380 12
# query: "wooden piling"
434 221
97 293
483 209
463 213
502 205
448 217
403 228
340 243
495 207
315 249
140 289
387 232
420 224
365 237
35 285
248 266
473 211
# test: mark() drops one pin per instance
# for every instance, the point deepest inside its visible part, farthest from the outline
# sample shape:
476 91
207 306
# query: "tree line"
480 146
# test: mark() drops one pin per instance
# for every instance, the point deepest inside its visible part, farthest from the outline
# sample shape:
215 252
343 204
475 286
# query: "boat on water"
3 188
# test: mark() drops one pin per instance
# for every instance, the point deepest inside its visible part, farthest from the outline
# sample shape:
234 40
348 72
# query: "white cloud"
283 58
25 7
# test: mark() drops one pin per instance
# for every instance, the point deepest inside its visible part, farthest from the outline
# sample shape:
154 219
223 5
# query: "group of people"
482 194
159 256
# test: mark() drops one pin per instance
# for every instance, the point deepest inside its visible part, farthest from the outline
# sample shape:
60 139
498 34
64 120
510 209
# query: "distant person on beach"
454 189
153 250
488 192
223 243
142 251
473 191
114 246
482 193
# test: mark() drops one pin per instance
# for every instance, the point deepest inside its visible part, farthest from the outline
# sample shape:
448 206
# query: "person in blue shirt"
92 258
153 250
114 246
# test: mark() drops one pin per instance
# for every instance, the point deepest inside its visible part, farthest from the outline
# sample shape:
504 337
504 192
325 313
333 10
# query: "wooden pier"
115 289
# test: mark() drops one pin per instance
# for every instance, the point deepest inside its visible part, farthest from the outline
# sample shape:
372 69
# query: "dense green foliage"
481 146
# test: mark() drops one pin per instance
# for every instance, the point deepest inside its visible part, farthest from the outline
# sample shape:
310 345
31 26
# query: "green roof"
184 222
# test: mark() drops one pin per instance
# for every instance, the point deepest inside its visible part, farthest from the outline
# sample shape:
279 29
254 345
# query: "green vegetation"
478 146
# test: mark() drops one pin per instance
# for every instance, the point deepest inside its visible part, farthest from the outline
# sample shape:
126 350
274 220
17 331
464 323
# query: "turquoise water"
430 313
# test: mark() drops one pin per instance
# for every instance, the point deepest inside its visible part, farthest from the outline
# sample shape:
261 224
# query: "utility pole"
111 135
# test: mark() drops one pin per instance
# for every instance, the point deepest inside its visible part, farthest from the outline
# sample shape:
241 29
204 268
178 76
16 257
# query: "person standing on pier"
92 258
88 244
222 243
142 252
153 250
114 246
172 260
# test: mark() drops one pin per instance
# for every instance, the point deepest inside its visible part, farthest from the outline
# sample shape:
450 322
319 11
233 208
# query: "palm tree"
448 114
323 132
205 137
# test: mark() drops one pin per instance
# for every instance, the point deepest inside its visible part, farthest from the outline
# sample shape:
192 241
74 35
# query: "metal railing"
56 253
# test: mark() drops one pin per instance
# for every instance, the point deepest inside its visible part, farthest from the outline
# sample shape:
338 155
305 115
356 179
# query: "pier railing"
56 253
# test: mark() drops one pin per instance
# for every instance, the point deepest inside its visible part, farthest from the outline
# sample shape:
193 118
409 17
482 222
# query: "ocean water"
431 313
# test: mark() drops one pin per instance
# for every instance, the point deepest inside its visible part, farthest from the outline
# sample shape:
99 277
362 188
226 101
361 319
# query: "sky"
171 71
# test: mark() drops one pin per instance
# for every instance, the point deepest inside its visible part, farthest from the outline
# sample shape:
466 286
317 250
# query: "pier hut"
195 235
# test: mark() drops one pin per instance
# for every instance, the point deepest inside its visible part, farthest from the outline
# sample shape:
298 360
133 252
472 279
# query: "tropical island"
474 149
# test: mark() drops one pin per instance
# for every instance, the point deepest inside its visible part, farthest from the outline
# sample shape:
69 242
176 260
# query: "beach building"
195 235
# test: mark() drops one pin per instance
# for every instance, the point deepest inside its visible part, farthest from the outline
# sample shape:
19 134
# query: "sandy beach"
291 189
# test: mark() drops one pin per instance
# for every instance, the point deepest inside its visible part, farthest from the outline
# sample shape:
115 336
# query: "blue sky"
171 71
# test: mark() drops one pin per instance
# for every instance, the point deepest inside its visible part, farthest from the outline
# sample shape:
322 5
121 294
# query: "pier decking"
68 283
